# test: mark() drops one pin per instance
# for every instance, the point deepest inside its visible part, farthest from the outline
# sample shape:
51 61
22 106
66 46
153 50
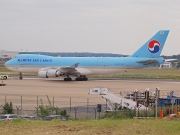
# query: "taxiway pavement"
29 89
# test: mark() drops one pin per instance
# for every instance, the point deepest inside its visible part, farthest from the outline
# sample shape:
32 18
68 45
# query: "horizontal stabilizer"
148 61
171 60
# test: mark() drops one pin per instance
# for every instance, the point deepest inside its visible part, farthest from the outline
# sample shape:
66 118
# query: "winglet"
75 65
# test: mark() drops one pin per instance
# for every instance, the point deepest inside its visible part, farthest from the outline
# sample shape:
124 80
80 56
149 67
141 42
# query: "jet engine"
42 74
53 73
49 73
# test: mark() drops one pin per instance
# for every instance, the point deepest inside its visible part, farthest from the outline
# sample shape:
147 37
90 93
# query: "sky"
98 26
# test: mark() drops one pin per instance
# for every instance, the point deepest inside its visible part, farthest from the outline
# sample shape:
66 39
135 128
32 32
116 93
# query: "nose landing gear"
20 76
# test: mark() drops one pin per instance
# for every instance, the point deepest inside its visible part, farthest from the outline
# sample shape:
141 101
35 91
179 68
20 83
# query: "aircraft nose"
9 64
6 64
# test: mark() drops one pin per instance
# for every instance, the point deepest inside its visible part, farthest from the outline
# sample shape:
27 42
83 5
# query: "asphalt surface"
31 91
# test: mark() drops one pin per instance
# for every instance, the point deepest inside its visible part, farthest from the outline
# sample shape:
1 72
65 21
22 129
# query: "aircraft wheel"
20 77
78 79
81 79
85 79
67 79
5 77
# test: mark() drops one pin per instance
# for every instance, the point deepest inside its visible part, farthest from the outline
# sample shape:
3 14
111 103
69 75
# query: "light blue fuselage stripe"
49 61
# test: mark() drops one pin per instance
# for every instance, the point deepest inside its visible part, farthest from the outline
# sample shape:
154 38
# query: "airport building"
169 65
6 55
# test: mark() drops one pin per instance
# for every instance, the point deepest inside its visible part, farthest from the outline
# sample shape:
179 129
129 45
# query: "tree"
8 108
46 110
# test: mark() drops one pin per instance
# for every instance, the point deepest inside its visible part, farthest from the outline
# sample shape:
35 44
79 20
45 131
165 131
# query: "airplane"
48 66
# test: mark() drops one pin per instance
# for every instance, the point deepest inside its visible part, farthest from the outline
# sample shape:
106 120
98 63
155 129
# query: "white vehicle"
8 117
3 77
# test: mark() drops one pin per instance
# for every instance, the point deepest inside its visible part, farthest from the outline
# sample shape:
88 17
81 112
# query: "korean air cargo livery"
48 66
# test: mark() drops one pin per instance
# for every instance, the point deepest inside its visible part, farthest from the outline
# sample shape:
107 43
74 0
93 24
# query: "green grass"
92 127
146 73
4 69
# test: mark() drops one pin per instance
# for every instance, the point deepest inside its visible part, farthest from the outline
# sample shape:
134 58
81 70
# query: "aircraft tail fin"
153 47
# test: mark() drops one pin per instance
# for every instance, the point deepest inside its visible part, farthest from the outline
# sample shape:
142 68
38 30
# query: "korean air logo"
20 60
154 46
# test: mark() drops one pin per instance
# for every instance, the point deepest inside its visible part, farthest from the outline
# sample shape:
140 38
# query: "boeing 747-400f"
48 66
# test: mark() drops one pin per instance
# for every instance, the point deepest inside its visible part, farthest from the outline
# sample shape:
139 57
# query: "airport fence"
76 107
77 113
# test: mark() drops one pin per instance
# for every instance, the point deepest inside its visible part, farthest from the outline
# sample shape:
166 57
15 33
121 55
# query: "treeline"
75 54
172 57
89 54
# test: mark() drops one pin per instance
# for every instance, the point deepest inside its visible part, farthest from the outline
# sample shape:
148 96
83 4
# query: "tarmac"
54 87
29 91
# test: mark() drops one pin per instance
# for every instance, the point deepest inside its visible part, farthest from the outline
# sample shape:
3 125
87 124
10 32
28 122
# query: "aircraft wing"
150 61
64 70
70 69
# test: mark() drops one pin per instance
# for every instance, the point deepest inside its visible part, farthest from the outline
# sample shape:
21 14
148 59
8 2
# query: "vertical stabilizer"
153 47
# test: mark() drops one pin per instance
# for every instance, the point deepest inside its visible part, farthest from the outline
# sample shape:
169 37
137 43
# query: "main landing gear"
81 78
68 79
20 76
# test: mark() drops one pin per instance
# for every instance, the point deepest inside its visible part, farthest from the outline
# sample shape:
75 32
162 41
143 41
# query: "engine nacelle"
53 73
42 74
49 73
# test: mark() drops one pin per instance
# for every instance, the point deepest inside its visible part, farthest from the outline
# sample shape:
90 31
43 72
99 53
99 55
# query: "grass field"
147 73
92 127
3 69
